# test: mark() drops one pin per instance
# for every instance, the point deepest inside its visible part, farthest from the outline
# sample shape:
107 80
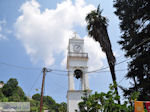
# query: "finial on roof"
75 35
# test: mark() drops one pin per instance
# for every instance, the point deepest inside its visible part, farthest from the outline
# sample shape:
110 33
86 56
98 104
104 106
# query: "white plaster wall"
73 42
74 97
78 62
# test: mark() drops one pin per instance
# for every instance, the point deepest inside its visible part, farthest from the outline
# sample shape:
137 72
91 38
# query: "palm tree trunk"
112 70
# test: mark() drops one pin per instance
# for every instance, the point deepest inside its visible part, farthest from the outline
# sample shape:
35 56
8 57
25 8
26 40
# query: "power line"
109 71
121 80
18 66
108 66
58 74
62 74
34 83
57 83
58 70
124 60
145 40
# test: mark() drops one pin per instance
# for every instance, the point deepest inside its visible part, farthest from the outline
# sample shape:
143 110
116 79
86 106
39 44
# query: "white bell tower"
77 68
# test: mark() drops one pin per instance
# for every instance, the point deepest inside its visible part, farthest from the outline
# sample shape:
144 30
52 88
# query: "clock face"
76 48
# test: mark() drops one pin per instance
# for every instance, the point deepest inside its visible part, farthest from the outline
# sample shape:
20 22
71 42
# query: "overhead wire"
121 80
109 71
62 74
58 74
34 83
18 66
145 40
58 70
61 86
53 70
58 84
124 60
108 66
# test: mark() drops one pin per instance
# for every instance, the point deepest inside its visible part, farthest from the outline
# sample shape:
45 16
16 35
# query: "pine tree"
135 40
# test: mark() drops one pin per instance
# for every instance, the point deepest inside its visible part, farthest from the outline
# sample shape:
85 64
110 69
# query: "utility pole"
43 80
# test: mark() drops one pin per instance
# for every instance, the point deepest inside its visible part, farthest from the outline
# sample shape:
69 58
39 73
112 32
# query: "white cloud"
0 28
94 52
2 23
2 36
4 30
45 34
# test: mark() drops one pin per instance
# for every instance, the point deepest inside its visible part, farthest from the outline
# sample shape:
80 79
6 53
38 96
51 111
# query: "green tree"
18 95
48 104
34 105
12 92
1 82
47 100
106 102
134 18
36 97
63 107
14 98
10 87
2 97
97 29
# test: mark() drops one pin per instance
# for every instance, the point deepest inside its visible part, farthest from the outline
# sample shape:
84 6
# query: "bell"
78 73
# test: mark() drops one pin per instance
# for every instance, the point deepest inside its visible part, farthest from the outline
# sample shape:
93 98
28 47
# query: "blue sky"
35 33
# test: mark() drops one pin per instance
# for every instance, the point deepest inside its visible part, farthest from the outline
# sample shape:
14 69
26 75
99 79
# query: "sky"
35 34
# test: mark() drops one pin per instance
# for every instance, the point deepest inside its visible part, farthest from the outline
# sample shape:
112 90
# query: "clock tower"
77 68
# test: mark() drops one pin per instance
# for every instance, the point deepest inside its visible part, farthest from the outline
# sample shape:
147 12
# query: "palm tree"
97 29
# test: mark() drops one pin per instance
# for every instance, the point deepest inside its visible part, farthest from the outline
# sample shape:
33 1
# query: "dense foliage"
11 92
106 102
135 40
48 104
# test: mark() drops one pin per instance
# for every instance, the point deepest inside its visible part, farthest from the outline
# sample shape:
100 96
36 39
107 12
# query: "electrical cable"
29 68
20 67
57 70
61 86
108 66
109 71
139 44
121 80
124 60
34 83
58 74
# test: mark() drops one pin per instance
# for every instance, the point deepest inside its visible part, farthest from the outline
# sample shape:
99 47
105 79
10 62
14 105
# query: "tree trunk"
112 70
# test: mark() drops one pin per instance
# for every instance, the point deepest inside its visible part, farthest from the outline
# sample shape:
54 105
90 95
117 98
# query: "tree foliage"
11 92
106 102
36 97
48 104
135 40
10 87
